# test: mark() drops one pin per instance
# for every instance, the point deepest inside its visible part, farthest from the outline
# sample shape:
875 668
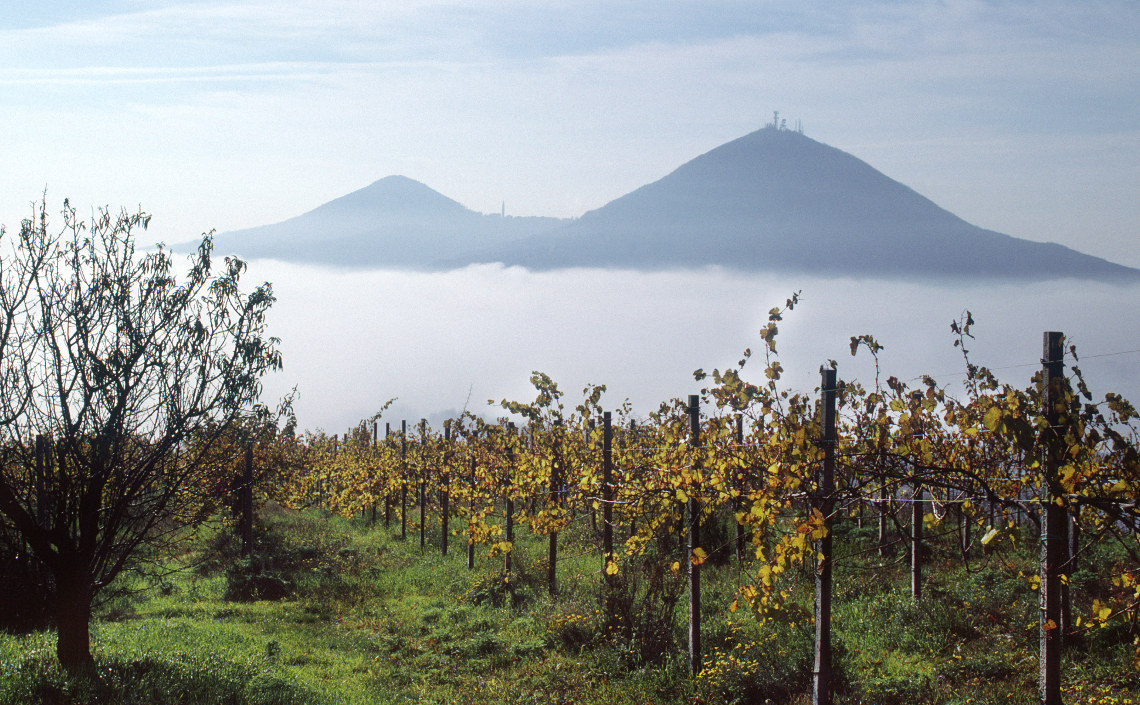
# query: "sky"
1021 117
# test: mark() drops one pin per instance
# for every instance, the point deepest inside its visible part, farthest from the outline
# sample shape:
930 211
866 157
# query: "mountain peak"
392 194
777 200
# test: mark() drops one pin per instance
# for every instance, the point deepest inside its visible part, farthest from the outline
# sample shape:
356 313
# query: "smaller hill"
394 222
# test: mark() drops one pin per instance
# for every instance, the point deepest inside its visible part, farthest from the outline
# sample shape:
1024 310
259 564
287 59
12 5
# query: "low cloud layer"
441 342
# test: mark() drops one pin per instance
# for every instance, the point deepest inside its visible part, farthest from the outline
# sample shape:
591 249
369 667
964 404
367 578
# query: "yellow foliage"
699 556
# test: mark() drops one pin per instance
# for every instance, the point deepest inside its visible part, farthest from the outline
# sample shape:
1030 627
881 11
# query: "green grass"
371 619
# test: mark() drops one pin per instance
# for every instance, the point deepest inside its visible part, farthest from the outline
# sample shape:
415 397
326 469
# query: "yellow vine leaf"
992 418
1100 611
699 556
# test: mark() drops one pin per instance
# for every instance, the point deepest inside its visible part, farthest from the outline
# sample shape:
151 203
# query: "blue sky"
1021 117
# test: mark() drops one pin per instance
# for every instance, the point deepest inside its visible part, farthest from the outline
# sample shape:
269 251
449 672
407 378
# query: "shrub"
503 589
774 666
574 631
247 581
644 601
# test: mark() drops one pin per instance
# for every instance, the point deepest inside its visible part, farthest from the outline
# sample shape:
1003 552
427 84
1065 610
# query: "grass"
368 618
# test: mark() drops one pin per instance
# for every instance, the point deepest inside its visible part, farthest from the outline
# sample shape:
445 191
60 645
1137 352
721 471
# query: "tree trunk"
73 620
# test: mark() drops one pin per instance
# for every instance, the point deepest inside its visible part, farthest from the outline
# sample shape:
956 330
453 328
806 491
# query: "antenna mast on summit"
782 125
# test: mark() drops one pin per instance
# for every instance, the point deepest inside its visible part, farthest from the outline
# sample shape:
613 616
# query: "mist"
442 342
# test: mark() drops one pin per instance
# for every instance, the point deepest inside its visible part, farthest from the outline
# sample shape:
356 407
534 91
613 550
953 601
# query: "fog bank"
441 342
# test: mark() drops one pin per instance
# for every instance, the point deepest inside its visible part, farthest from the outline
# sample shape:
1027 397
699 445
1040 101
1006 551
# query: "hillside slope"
777 200
394 222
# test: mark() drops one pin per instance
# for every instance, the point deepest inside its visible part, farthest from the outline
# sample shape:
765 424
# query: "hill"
394 222
777 200
773 200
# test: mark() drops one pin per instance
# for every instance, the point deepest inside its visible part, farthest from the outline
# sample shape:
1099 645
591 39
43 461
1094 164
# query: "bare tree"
116 376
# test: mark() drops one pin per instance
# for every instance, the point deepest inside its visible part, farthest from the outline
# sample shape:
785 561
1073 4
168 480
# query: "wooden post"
445 489
884 505
916 517
916 543
351 434
329 475
694 541
423 482
608 522
968 518
738 502
404 480
510 502
964 521
593 510
375 468
470 537
388 487
991 510
1053 518
556 500
630 440
824 501
883 508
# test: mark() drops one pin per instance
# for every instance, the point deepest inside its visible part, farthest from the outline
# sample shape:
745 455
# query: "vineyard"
784 502
781 470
